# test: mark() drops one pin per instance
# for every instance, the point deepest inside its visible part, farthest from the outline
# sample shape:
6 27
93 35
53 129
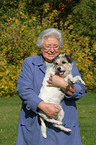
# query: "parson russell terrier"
62 66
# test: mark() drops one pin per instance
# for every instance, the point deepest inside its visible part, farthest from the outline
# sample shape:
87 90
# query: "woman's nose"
52 49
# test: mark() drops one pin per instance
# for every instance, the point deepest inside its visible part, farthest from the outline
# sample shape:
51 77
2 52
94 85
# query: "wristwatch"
67 88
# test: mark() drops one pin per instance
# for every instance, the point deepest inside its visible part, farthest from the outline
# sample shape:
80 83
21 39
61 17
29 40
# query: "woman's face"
50 48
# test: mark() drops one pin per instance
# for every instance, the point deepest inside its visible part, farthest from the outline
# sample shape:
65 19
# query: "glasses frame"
48 47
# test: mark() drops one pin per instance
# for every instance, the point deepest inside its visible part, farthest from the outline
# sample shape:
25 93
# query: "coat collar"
38 60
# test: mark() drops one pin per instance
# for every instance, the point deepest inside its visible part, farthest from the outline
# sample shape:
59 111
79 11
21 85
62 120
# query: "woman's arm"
79 87
75 91
25 86
58 81
49 108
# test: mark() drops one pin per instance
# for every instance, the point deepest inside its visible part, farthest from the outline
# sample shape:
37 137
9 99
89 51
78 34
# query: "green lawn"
86 107
9 115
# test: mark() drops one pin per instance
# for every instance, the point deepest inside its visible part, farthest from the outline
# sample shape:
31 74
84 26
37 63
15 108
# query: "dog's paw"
72 81
83 83
68 130
63 128
44 135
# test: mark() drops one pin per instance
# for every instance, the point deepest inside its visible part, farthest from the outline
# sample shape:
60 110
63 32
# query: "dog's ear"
69 59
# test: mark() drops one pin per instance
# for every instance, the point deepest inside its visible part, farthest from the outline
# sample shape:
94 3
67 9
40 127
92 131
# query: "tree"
80 33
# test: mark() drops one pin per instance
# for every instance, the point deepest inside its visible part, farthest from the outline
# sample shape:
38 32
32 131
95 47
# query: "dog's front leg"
69 78
78 78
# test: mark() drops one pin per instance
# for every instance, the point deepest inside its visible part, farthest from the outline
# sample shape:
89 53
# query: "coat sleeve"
79 87
25 86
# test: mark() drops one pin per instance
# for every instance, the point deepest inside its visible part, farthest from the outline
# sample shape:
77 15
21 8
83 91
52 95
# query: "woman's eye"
63 62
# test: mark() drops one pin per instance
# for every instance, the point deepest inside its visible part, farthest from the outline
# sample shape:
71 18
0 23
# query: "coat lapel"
40 63
42 68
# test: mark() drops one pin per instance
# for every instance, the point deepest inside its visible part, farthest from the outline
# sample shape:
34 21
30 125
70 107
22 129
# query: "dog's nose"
59 68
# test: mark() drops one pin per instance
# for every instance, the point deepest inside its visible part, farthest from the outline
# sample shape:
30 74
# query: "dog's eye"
63 62
56 63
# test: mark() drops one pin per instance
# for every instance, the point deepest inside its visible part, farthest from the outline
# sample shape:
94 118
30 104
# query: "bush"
18 38
80 39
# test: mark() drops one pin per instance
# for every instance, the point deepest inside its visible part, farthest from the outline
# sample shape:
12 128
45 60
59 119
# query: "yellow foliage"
18 42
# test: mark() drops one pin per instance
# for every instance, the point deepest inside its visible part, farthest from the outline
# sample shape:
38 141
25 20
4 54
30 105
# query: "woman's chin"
51 57
49 60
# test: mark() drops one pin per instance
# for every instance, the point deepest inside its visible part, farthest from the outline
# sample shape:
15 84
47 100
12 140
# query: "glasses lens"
49 47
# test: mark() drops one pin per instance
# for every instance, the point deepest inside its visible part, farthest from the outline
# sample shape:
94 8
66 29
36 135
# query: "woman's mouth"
51 54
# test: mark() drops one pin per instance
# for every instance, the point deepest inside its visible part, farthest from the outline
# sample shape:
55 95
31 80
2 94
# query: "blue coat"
29 84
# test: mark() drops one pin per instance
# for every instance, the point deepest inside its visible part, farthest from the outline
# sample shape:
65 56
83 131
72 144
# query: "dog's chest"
50 94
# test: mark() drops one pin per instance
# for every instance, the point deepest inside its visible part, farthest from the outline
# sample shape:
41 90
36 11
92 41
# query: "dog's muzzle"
60 71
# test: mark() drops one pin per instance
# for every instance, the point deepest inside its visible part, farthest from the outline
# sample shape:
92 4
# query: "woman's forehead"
51 40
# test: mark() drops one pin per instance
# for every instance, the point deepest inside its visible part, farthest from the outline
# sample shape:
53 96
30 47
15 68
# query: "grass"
9 115
10 110
86 107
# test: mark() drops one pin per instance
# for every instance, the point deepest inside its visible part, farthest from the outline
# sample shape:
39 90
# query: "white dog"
62 66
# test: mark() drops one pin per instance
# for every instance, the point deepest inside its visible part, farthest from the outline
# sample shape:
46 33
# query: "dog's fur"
62 66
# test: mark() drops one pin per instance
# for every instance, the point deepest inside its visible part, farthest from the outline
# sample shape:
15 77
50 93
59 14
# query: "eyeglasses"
48 47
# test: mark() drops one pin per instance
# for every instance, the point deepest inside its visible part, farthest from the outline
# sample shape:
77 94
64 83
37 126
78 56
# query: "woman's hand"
50 109
57 81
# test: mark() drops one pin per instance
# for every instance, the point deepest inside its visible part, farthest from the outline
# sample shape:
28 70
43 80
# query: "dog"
62 66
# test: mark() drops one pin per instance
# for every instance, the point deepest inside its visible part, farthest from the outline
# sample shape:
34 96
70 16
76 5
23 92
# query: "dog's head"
63 65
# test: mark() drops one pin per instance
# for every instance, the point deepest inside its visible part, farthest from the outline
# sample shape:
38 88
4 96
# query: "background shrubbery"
22 22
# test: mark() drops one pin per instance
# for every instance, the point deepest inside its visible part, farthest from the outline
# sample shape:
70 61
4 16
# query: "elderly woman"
29 83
